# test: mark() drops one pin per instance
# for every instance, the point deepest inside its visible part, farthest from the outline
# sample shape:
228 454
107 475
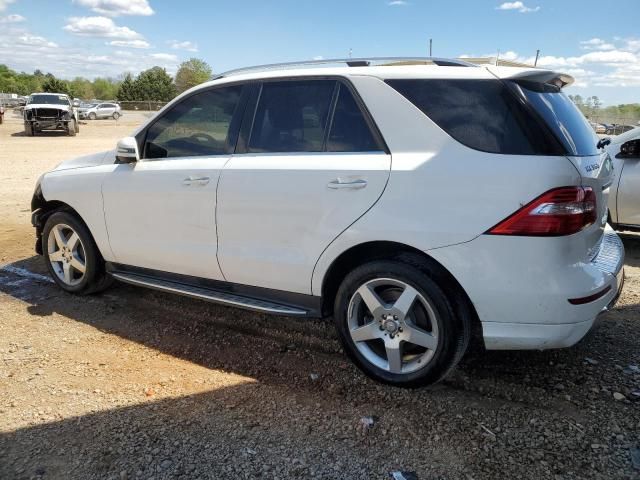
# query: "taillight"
561 211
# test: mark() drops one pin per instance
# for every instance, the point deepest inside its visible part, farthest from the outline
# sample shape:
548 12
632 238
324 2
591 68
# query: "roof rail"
354 62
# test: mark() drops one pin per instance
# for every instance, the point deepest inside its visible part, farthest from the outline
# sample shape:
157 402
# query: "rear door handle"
198 181
352 184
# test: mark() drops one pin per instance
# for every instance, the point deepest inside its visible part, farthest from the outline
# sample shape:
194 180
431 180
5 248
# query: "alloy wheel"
392 325
66 254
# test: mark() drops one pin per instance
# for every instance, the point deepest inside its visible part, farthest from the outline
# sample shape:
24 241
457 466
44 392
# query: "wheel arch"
379 250
42 209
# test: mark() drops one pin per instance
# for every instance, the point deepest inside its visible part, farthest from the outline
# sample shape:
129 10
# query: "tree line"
592 108
154 84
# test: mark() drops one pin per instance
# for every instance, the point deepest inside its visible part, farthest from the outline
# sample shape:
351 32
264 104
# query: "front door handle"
352 184
198 181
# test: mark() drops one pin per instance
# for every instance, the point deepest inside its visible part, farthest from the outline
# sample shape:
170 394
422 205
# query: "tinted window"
349 129
291 116
198 125
562 116
482 114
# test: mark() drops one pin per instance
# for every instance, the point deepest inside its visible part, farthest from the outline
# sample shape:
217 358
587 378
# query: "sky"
597 45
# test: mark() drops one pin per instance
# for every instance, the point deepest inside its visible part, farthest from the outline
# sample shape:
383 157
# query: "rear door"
309 163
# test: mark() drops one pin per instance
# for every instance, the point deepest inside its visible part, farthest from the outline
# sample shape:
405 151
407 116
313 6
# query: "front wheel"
28 129
397 324
72 256
92 116
71 128
116 115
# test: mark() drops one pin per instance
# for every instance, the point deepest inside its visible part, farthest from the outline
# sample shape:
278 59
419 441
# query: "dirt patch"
138 384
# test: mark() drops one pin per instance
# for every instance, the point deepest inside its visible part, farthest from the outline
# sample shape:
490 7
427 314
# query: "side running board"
224 298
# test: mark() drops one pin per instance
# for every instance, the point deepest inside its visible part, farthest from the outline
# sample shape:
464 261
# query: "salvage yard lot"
139 384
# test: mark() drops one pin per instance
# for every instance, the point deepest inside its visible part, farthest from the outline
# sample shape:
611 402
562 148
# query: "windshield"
49 99
560 114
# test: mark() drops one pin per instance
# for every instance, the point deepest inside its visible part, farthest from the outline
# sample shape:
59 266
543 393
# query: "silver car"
624 200
101 110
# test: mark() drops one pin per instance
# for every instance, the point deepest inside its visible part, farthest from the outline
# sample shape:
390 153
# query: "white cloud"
596 44
188 46
12 19
519 6
632 45
166 57
34 41
4 4
115 8
22 50
99 27
129 43
397 3
318 57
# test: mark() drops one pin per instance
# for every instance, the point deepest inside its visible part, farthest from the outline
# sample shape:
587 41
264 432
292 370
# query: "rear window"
562 116
494 116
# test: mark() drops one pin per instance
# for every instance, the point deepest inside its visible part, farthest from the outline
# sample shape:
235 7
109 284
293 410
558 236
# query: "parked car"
624 199
419 205
101 110
617 129
50 111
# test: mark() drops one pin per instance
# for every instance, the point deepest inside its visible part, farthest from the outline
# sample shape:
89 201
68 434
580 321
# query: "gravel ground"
138 384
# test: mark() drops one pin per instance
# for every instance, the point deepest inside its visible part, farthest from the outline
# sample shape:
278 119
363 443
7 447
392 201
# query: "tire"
60 248
71 128
77 126
116 115
92 116
28 129
441 334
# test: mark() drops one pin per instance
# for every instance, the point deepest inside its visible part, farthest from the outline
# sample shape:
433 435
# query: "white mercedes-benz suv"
423 203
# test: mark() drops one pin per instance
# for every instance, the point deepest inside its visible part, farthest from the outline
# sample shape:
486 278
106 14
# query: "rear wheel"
72 256
116 115
397 324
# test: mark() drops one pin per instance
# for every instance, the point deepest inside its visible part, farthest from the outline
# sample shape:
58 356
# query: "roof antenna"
350 52
498 57
431 47
537 56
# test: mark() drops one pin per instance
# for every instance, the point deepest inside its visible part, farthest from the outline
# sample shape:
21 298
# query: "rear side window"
291 116
481 114
349 129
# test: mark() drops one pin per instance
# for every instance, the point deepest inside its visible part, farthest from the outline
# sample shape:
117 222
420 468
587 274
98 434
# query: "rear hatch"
543 92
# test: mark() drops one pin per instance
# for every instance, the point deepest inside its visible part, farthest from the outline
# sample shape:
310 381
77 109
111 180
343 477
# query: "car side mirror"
127 151
630 149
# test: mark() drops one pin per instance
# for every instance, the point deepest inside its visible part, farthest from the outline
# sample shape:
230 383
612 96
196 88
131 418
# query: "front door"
160 211
312 165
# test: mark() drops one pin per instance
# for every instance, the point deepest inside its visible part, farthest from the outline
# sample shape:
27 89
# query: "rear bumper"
521 287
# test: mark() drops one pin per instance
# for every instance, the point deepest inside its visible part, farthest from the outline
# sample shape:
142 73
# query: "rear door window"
291 116
484 115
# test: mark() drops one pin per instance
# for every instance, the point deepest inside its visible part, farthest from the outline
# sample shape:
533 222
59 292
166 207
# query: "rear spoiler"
549 77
